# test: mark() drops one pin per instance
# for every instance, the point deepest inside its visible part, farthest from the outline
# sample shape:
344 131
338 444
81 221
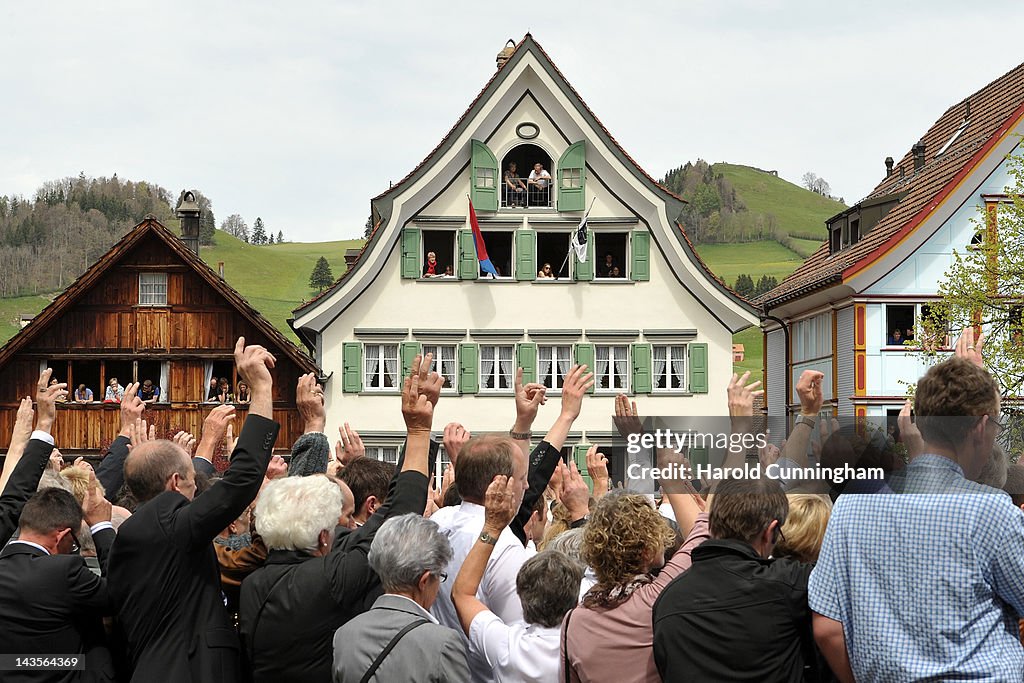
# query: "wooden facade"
99 328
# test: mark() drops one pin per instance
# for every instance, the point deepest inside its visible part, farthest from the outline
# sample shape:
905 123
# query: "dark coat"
164 577
22 485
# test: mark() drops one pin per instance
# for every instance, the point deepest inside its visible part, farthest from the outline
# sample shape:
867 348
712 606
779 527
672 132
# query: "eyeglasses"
441 576
994 420
75 545
779 536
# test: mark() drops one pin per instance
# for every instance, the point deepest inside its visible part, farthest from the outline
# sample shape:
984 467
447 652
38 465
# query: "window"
812 338
612 368
553 363
835 243
552 248
516 166
152 289
122 370
155 372
669 367
440 463
445 363
85 372
611 251
440 243
977 240
500 251
383 453
1016 323
216 371
899 324
855 231
485 177
934 327
572 178
380 367
496 367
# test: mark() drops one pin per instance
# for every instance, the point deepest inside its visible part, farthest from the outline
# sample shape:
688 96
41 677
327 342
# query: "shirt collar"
34 545
395 601
933 460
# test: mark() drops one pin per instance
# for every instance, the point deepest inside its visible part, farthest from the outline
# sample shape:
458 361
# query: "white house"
878 272
658 328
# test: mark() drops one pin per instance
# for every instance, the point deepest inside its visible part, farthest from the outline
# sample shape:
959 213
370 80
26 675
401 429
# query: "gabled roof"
382 203
152 227
991 113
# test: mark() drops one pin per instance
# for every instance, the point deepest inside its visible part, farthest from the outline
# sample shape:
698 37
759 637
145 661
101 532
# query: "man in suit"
25 477
50 602
164 578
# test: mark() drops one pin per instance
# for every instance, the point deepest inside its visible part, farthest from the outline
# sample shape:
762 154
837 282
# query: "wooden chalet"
150 308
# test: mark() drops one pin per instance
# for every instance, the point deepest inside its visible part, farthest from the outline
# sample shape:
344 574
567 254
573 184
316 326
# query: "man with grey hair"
311 584
398 639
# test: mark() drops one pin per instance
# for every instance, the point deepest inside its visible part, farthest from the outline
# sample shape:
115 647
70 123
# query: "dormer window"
956 134
152 289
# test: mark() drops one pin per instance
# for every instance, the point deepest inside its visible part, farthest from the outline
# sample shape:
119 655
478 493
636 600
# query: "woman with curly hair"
610 635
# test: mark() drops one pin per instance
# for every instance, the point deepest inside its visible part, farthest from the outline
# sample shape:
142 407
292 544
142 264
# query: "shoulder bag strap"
387 650
565 646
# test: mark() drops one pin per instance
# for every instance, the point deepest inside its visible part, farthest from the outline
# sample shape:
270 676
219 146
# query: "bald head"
157 466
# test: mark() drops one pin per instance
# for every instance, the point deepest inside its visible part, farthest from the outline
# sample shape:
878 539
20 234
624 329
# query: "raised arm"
808 388
19 439
111 469
741 412
311 453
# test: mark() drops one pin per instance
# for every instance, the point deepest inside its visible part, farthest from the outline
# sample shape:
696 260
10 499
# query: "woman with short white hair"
299 513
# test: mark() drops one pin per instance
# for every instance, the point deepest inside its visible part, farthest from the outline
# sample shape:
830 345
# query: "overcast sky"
300 112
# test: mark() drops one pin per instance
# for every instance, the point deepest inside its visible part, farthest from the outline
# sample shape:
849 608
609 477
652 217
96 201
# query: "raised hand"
47 399
627 417
742 395
254 364
83 463
500 504
186 441
529 398
132 407
95 508
597 468
349 446
277 467
23 422
910 435
769 454
575 386
970 348
417 410
140 432
574 493
808 388
455 437
56 461
309 399
215 430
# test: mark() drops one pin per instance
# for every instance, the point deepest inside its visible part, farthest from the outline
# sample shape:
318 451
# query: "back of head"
404 548
743 508
292 511
548 585
79 478
480 461
955 388
51 510
804 530
996 469
151 464
50 479
569 543
624 537
367 477
1015 483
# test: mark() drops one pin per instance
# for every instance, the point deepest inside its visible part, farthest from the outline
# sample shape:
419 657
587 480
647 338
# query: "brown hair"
744 508
480 461
150 465
951 389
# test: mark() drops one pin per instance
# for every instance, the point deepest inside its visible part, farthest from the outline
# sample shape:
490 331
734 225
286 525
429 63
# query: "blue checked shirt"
928 581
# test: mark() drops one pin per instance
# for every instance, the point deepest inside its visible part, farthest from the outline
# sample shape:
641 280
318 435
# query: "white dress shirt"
517 653
462 526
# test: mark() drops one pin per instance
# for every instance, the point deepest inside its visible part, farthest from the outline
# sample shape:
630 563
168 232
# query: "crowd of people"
335 566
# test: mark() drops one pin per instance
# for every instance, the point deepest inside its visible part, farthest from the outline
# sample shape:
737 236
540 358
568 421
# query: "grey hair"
53 480
994 472
548 585
569 543
292 511
404 548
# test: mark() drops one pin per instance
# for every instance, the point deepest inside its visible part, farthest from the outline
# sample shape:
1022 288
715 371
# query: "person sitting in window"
60 399
149 392
616 272
83 394
114 393
604 268
430 267
224 391
896 338
545 273
448 271
539 183
211 394
243 395
514 188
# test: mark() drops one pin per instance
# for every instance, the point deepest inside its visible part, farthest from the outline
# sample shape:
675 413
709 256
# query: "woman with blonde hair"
804 530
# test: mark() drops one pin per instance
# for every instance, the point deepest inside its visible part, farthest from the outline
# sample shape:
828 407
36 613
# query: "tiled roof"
993 109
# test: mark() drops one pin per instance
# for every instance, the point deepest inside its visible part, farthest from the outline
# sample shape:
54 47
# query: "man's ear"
370 505
173 482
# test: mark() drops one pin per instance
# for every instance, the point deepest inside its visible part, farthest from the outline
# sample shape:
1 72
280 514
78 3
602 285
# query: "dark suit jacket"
51 605
22 485
292 606
164 577
110 471
430 653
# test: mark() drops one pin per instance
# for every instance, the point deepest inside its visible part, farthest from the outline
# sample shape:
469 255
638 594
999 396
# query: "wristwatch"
488 539
805 420
520 436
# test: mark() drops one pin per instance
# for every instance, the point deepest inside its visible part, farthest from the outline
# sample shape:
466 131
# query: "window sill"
388 392
438 278
496 392
555 281
656 393
612 281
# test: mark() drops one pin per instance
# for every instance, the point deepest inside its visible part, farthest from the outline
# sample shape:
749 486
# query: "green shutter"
469 266
572 175
408 353
641 270
526 358
585 271
698 383
697 456
526 255
352 367
411 253
579 453
642 369
485 180
469 375
585 356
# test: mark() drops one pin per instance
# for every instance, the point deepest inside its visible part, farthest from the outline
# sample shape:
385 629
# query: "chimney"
220 269
189 212
888 166
506 52
350 258
918 151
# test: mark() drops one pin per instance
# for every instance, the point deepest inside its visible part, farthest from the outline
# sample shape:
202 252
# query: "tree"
368 228
813 183
985 286
765 284
321 276
280 237
259 234
744 285
235 226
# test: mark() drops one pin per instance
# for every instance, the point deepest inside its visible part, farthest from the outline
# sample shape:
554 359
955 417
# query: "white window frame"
153 292
886 331
496 373
671 351
627 259
554 376
454 255
442 360
511 275
614 351
538 264
812 338
383 453
381 372
442 460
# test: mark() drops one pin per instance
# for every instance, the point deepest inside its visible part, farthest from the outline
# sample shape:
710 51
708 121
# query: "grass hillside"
767 257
